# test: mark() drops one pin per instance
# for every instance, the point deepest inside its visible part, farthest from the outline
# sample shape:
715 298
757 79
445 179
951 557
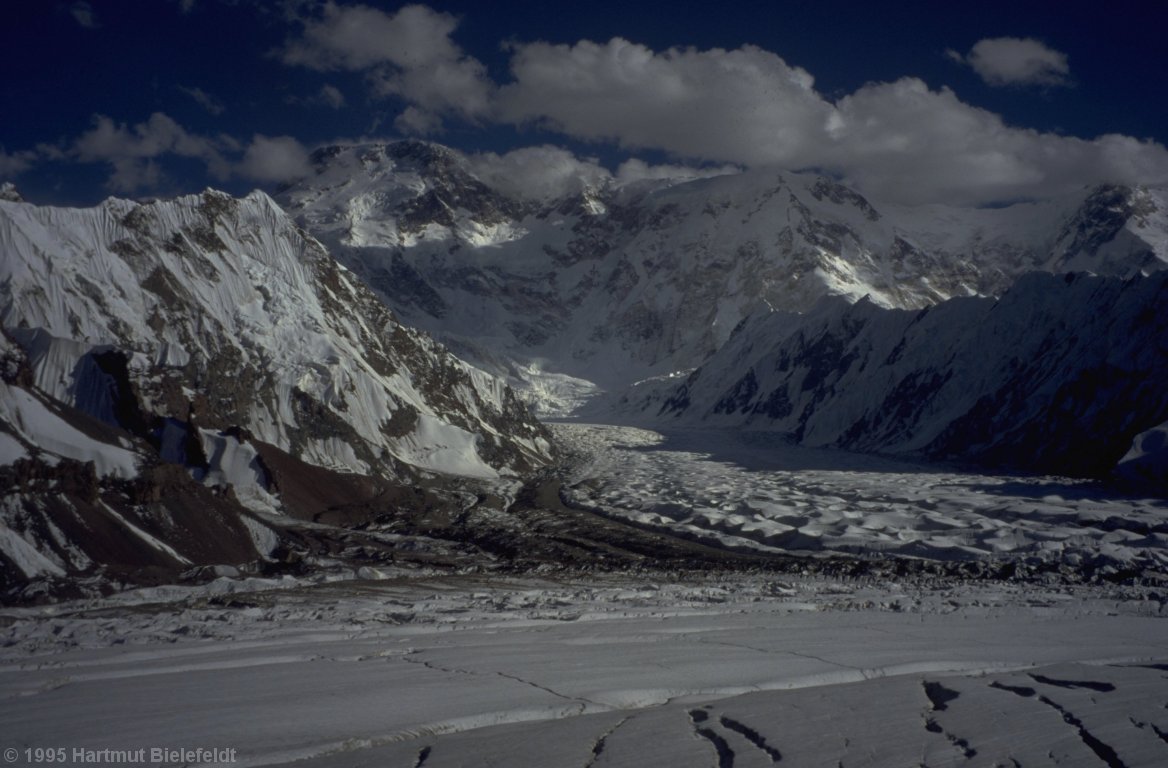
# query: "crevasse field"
645 668
753 490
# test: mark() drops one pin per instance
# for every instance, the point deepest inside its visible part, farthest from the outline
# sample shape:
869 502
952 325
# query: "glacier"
246 504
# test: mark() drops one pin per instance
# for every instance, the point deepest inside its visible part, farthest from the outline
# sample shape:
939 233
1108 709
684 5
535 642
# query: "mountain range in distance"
607 284
213 380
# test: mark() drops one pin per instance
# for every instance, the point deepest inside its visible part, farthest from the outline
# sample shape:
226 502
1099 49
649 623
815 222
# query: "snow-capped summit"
618 282
424 189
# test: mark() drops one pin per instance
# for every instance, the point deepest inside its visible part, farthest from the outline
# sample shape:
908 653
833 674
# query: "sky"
911 102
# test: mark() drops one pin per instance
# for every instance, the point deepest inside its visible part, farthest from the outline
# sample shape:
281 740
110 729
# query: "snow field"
615 670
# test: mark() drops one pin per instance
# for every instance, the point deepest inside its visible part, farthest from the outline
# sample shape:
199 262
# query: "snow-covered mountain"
183 375
210 333
619 282
1059 375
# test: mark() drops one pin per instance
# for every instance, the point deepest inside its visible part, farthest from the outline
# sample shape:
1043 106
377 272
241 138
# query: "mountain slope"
1057 376
228 298
206 347
619 282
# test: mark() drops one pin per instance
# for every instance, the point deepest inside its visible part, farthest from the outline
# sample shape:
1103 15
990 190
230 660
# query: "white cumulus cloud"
137 154
275 159
358 37
635 169
742 106
905 142
133 152
417 122
538 173
409 54
16 163
901 140
548 173
1016 61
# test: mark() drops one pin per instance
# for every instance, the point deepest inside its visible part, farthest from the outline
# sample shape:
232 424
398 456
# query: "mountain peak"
611 284
8 193
405 154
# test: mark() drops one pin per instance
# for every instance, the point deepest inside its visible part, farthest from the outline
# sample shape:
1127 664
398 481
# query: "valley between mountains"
403 465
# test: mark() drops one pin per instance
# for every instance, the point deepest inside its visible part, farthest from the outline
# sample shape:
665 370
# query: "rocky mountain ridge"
202 384
1058 376
206 354
621 281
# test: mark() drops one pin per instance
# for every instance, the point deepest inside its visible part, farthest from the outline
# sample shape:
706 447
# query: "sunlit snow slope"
211 333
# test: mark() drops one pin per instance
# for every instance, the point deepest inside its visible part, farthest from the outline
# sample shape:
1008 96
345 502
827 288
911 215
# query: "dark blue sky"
218 70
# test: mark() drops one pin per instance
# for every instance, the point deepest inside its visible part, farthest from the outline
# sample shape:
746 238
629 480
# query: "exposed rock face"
618 283
86 506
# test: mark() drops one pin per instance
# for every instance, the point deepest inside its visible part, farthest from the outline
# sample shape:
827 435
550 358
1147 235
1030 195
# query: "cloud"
901 140
904 142
746 107
408 54
331 96
16 163
456 87
538 173
418 122
159 135
1015 61
133 152
742 106
634 170
82 13
548 173
359 37
204 99
328 96
275 159
138 155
